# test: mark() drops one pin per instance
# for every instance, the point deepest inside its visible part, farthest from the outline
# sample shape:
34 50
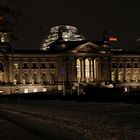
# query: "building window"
25 66
78 66
120 76
113 76
128 76
2 39
35 90
136 65
34 66
121 65
129 65
15 81
44 89
26 90
1 77
52 77
87 71
43 66
91 70
114 65
135 77
16 66
16 78
43 78
52 66
34 79
25 78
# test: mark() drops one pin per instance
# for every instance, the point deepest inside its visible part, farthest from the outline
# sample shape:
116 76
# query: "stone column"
83 69
21 70
90 75
124 73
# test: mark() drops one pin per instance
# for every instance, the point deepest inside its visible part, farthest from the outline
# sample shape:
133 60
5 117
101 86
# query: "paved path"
11 131
15 125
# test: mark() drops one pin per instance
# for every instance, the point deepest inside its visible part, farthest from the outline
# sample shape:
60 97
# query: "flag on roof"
111 38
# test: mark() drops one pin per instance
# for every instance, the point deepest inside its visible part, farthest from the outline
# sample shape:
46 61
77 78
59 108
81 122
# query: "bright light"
26 90
35 89
125 89
112 39
44 89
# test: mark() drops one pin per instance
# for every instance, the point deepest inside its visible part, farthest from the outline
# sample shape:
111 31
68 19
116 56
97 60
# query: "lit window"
34 78
26 90
15 66
17 78
2 39
91 70
44 89
78 66
35 89
43 78
87 70
95 69
120 76
128 76
25 78
15 81
113 76
135 77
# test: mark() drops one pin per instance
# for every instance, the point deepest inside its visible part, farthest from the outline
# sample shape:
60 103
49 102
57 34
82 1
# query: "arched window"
25 78
34 78
128 76
52 77
43 78
120 76
16 78
113 76
135 77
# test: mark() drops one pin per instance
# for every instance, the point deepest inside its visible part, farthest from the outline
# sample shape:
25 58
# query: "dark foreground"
132 98
71 119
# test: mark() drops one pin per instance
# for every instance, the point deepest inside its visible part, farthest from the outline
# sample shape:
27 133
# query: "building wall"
21 73
125 70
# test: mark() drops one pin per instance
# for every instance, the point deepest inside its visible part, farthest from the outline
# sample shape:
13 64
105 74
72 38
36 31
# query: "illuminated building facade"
66 64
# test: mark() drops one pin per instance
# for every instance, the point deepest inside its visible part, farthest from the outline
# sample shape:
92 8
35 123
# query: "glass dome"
68 33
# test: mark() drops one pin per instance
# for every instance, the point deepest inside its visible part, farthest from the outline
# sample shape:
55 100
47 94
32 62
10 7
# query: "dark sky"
91 17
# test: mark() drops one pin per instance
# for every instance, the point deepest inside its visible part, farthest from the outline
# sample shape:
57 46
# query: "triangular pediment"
85 48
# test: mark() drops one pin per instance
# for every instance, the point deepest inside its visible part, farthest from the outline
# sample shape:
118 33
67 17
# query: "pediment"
85 48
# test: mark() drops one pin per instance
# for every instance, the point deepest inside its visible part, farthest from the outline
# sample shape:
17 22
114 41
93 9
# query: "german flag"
111 38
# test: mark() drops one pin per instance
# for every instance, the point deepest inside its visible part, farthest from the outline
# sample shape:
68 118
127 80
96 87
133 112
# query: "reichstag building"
67 61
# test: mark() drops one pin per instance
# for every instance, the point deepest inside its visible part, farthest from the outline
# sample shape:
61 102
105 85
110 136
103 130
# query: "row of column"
86 69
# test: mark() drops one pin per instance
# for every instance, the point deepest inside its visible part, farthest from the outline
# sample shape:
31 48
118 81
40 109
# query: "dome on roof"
67 32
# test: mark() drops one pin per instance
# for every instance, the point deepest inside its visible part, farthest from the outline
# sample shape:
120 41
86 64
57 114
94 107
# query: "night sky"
118 17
